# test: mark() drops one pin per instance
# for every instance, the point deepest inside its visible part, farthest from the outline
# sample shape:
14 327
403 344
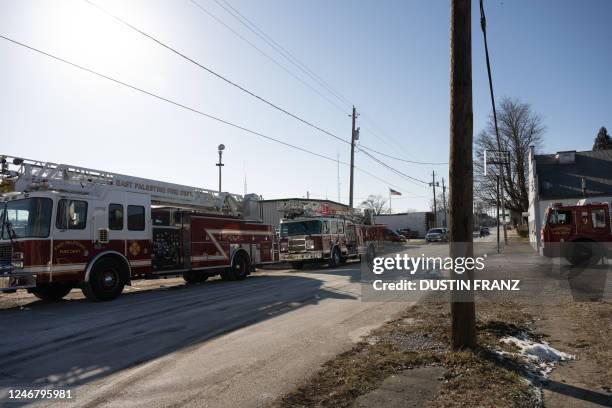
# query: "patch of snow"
540 356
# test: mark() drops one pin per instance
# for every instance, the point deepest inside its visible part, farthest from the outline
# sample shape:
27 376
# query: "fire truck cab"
310 235
581 233
65 226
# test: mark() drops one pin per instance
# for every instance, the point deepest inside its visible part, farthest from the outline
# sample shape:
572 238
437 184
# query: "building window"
598 216
136 217
115 217
71 214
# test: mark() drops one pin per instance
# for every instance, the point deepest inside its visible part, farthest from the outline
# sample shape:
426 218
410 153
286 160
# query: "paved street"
164 343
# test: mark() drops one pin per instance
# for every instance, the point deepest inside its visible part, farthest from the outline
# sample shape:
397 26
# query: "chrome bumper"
304 256
11 279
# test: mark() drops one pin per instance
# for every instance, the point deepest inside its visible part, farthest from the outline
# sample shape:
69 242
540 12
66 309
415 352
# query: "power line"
287 70
299 64
162 98
180 105
209 70
394 170
280 49
222 77
382 134
400 159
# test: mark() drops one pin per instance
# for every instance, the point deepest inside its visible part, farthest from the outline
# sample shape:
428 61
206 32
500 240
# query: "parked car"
406 232
484 231
390 235
437 235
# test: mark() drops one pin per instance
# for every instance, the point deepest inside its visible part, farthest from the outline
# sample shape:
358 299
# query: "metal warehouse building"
420 222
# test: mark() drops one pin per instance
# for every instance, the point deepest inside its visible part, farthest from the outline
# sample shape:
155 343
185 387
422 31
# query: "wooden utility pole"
433 185
463 316
444 203
354 136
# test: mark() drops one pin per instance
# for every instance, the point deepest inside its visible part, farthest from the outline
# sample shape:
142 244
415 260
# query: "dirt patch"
585 330
411 388
387 365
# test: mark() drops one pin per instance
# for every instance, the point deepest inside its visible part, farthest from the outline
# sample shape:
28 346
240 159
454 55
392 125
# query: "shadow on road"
75 342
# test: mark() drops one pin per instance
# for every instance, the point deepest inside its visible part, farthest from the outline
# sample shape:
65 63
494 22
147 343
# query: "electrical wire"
296 62
400 159
180 105
284 68
240 87
251 26
222 77
209 70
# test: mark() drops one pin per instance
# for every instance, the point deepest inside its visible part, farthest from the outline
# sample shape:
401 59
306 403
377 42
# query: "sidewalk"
545 349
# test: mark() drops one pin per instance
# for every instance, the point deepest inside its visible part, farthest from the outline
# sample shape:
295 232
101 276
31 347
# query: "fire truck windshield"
300 228
26 218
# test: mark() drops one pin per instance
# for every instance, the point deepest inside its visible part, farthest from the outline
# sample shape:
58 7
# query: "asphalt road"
217 344
165 343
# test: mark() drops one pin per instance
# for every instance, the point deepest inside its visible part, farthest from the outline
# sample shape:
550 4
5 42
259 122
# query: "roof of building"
563 179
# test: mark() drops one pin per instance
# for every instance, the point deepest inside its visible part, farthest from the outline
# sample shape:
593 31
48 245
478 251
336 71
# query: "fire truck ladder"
34 175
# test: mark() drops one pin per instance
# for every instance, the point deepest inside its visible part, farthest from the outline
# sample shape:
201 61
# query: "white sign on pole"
495 157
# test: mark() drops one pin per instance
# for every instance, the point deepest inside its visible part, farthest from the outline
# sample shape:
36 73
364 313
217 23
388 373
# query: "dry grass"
420 338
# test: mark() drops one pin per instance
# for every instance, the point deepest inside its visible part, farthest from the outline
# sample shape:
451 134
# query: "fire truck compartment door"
100 221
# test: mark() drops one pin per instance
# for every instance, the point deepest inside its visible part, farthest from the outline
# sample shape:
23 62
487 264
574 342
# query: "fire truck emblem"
134 248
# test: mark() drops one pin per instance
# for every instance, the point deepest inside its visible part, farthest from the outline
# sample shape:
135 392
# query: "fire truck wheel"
194 277
335 258
240 268
297 265
106 281
52 292
583 254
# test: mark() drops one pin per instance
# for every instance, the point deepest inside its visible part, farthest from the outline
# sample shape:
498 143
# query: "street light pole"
220 164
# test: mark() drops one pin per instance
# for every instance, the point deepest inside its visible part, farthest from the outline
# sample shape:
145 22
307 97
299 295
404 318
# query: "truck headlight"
310 244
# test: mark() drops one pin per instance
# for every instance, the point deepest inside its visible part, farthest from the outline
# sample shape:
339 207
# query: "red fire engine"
65 226
580 233
316 234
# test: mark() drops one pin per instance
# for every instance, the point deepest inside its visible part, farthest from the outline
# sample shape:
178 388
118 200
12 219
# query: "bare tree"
519 128
376 203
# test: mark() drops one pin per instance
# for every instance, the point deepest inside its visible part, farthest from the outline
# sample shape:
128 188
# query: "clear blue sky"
391 58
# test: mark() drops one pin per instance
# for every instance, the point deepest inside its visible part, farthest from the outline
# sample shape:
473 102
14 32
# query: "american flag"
394 192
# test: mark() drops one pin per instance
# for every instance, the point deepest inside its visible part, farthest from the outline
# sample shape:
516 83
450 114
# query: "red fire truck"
64 226
580 233
316 234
